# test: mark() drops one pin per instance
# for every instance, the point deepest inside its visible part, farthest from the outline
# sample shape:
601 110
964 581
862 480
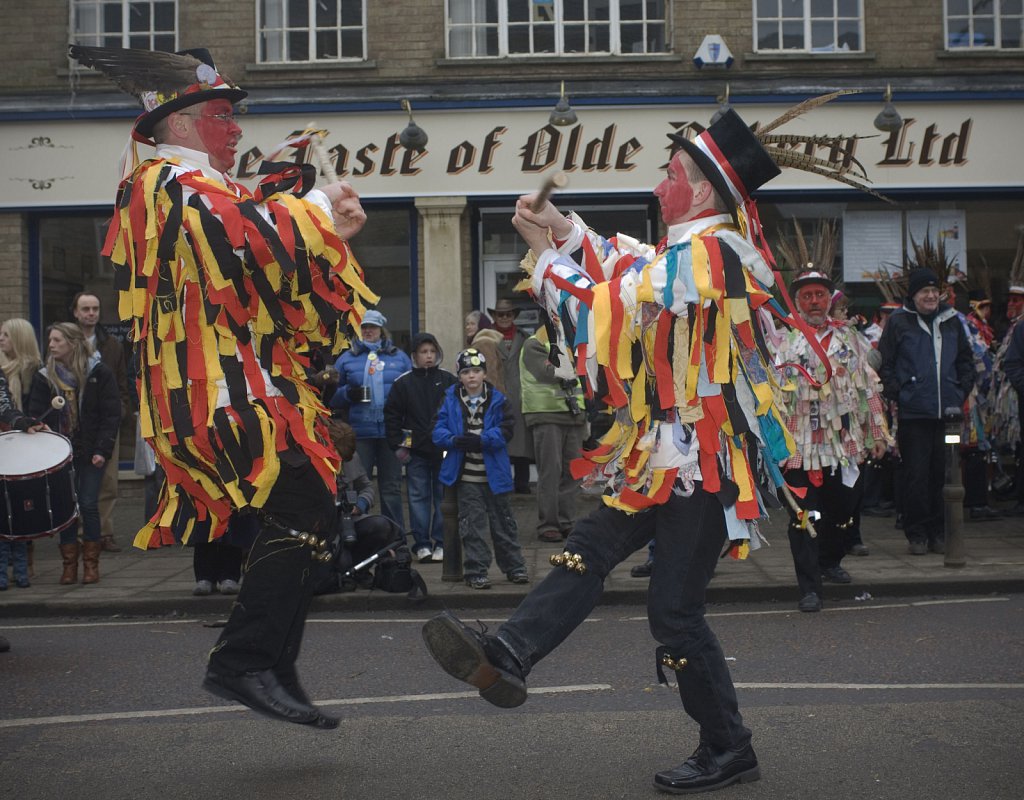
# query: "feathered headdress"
812 263
163 82
891 285
1017 267
929 254
738 159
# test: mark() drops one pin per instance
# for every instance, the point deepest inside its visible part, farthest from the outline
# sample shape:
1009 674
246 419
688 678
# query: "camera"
346 503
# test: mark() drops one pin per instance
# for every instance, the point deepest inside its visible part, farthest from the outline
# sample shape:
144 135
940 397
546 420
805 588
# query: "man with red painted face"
835 425
226 290
675 333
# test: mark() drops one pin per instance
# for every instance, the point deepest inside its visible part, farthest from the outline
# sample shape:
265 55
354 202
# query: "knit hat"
470 358
919 279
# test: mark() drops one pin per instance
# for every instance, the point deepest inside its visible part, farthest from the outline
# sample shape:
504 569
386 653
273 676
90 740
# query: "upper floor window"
142 24
984 23
809 26
311 30
487 28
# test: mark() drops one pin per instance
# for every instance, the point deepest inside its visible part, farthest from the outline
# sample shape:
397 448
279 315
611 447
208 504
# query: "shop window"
981 24
808 26
142 24
311 30
497 28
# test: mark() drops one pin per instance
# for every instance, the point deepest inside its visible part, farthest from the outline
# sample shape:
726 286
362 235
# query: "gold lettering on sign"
952 147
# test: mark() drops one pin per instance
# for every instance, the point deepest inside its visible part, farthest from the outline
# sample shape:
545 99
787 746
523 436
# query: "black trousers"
689 535
264 630
974 463
836 504
923 473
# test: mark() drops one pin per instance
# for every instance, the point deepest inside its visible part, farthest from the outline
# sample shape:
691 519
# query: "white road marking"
110 624
867 606
349 701
886 686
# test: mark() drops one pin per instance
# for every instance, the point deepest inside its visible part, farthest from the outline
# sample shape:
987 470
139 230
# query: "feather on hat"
163 82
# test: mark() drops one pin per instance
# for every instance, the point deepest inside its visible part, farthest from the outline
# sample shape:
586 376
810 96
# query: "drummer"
89 417
15 552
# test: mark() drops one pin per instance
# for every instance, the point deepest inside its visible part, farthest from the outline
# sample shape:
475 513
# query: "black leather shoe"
710 768
876 511
917 548
642 570
477 659
809 602
289 680
937 546
836 574
858 549
261 692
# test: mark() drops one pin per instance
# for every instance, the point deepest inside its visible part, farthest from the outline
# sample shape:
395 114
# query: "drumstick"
557 180
322 155
56 404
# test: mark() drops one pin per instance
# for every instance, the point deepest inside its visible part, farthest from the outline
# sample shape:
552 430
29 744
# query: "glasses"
225 118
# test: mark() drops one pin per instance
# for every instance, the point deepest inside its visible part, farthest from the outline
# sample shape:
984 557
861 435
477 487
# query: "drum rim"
40 473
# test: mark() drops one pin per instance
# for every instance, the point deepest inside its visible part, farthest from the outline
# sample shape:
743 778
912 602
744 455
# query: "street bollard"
451 567
953 491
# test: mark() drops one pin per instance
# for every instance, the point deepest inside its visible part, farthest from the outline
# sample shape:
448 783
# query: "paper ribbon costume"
226 291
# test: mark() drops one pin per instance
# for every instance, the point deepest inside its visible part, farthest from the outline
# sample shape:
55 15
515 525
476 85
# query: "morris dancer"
835 426
227 290
678 333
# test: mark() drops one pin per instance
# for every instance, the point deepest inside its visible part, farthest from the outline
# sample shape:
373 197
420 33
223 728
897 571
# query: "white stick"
317 141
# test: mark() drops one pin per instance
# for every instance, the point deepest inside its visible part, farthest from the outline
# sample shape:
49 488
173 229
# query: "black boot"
710 768
477 659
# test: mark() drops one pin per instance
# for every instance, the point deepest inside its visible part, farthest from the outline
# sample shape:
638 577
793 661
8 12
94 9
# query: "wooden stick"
802 515
317 141
557 180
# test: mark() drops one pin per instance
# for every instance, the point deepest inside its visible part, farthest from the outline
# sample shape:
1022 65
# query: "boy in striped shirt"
474 425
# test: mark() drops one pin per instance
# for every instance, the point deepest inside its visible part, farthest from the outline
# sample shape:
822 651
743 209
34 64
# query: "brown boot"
108 544
70 554
91 562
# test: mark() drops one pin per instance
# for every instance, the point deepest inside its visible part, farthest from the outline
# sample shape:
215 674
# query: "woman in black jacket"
89 418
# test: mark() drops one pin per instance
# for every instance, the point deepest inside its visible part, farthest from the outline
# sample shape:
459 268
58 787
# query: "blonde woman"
90 419
19 358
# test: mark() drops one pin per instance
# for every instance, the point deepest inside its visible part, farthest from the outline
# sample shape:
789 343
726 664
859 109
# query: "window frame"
808 21
99 36
312 30
477 31
998 17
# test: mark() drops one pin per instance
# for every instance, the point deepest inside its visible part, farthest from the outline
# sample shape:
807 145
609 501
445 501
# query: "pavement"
159 582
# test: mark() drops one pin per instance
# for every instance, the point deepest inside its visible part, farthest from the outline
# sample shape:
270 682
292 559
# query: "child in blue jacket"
474 425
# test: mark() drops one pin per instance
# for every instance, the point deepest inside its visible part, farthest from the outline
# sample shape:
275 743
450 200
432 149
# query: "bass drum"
37 485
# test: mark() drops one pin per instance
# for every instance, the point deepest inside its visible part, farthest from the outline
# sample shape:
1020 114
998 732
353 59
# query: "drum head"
31 453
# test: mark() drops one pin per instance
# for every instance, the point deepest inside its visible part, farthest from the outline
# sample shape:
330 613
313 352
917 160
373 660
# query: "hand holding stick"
557 180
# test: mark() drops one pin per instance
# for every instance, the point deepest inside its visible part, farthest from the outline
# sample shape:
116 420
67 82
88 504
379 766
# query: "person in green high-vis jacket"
555 417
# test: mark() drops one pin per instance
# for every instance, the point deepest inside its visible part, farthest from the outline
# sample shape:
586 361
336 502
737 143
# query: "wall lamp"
888 119
562 114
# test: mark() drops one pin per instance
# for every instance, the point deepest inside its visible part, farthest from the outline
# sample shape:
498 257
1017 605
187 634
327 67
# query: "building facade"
481 77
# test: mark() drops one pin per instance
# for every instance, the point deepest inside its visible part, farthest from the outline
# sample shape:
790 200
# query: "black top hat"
164 82
732 158
811 276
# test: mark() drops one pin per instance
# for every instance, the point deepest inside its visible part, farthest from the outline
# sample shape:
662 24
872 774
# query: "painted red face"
218 131
813 301
675 193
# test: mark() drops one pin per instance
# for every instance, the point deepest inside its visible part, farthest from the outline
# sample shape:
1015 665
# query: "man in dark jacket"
927 369
409 416
1013 368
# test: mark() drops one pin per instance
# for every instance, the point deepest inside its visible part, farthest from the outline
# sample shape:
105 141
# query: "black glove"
469 442
24 423
355 394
